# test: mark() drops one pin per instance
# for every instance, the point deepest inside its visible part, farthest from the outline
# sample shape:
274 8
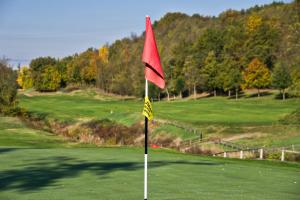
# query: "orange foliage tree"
257 76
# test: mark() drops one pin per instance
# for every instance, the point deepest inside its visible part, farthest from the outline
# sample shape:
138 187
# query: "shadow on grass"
46 172
255 95
6 150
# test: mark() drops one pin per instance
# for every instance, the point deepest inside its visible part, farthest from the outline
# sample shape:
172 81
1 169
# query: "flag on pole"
153 70
153 73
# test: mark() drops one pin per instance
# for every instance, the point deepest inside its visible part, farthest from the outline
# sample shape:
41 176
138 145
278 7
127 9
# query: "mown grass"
117 173
221 111
216 111
30 170
76 108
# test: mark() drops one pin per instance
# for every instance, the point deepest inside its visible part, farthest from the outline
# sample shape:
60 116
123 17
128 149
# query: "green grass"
37 165
76 108
215 117
174 131
215 111
13 132
221 111
117 173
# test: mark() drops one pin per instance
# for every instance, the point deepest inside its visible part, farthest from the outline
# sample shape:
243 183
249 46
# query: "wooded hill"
254 48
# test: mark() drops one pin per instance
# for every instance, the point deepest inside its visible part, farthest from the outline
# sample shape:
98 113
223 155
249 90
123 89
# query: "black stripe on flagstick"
146 135
156 72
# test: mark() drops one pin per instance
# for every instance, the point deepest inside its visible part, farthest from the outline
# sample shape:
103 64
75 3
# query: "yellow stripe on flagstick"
148 111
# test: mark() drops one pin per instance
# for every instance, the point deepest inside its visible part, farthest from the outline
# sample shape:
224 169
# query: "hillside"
198 54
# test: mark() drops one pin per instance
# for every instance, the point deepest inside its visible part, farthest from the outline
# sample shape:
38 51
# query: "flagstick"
146 148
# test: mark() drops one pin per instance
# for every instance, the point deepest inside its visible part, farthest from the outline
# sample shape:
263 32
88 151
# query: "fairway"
117 173
217 111
217 117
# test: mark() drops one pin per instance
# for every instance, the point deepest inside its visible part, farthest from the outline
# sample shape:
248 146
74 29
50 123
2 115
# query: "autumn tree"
103 69
24 79
253 23
256 75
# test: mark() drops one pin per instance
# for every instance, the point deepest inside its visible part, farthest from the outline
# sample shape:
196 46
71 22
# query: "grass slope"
14 133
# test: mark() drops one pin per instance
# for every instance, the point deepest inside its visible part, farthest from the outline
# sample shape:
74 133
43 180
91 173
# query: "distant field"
221 111
208 111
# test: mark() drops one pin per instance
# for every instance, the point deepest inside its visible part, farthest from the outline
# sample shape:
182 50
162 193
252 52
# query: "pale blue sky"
32 28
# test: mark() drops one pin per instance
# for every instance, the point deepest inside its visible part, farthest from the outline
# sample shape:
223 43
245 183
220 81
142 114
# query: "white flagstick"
146 149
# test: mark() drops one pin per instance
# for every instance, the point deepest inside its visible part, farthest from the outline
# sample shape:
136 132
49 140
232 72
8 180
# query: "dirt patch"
244 136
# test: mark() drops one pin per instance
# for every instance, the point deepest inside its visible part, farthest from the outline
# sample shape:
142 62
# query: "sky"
58 28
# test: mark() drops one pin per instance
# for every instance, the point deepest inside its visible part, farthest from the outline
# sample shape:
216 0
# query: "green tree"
232 76
256 75
191 74
8 88
281 78
295 87
262 43
179 85
38 67
210 73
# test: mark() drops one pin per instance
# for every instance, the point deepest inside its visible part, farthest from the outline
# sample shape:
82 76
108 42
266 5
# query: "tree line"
255 48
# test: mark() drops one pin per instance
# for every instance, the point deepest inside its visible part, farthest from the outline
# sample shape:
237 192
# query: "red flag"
153 70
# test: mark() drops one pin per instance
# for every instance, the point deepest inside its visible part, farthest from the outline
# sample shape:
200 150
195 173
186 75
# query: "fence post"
261 154
282 154
241 154
293 147
225 154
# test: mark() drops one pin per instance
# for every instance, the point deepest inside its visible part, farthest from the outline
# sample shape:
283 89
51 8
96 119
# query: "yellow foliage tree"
24 78
103 54
253 23
103 70
257 75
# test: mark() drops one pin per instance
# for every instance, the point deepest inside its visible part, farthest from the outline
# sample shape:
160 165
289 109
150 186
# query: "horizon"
59 29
